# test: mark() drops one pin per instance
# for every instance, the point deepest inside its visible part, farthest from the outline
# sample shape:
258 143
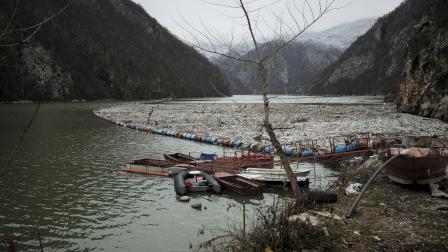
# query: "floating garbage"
197 206
228 142
184 198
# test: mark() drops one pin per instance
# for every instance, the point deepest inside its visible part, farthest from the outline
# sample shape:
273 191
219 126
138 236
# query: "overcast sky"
171 13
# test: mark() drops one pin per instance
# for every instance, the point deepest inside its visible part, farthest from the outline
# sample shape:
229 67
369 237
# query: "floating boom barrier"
228 142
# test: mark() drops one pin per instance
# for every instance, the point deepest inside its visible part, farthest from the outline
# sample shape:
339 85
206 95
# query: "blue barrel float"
307 153
287 150
290 151
343 148
268 149
235 144
208 156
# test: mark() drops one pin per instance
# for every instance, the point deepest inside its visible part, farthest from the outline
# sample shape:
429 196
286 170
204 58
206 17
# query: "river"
63 181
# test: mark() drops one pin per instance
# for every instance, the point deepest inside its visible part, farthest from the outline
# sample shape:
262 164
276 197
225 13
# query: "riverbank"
390 216
294 122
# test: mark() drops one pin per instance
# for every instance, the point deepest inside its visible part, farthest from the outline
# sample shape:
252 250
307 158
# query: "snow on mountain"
341 36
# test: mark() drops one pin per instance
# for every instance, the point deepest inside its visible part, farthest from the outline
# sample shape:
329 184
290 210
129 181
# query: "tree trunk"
273 138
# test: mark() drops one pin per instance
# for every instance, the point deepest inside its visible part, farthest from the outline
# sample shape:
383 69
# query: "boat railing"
432 150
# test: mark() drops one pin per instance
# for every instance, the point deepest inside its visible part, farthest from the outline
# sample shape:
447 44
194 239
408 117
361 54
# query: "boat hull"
417 170
179 158
239 184
273 175
270 178
154 167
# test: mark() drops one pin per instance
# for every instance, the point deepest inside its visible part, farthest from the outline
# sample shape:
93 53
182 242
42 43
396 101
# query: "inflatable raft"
195 181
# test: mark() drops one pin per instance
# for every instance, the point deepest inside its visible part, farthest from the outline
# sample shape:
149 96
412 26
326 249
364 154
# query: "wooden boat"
416 165
155 167
303 172
195 181
179 158
273 175
239 184
419 160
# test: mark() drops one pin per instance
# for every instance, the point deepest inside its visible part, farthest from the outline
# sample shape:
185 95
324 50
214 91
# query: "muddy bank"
390 216
293 121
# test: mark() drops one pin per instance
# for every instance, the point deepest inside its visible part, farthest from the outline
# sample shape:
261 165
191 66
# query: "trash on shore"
436 192
313 217
306 218
353 189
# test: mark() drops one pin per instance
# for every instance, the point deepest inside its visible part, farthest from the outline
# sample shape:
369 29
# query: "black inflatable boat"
195 181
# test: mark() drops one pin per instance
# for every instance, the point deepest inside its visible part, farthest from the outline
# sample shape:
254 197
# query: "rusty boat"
420 160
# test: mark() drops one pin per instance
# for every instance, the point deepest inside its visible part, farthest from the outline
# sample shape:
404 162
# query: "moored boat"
239 184
273 175
179 158
410 167
303 172
195 181
419 160
155 167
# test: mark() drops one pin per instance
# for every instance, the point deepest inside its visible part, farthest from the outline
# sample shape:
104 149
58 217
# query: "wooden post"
40 241
11 246
244 218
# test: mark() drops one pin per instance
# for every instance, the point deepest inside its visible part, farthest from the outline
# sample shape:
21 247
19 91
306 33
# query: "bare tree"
285 30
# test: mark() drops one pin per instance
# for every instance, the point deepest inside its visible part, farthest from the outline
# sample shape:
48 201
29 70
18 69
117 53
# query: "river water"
63 181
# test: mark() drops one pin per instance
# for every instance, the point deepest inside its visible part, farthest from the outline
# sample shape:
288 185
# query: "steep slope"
423 90
298 63
99 49
404 56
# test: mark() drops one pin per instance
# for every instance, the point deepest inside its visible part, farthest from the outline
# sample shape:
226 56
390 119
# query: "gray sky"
171 14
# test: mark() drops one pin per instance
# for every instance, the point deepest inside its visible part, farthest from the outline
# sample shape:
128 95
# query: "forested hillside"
97 49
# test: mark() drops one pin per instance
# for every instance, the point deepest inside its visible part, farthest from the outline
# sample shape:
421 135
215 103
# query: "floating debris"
184 198
197 206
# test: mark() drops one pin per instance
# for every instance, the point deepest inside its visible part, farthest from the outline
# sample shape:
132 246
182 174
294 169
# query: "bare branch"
24 40
8 23
35 27
249 24
221 5
325 10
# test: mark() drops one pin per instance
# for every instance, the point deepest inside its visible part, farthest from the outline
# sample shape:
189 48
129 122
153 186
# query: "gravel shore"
294 121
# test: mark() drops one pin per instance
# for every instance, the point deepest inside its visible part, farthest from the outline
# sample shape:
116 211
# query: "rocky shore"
293 121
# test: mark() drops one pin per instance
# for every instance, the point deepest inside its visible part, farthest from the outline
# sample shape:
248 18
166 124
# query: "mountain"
404 56
298 63
98 49
340 36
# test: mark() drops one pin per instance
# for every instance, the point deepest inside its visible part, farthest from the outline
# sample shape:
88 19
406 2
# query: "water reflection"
64 181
